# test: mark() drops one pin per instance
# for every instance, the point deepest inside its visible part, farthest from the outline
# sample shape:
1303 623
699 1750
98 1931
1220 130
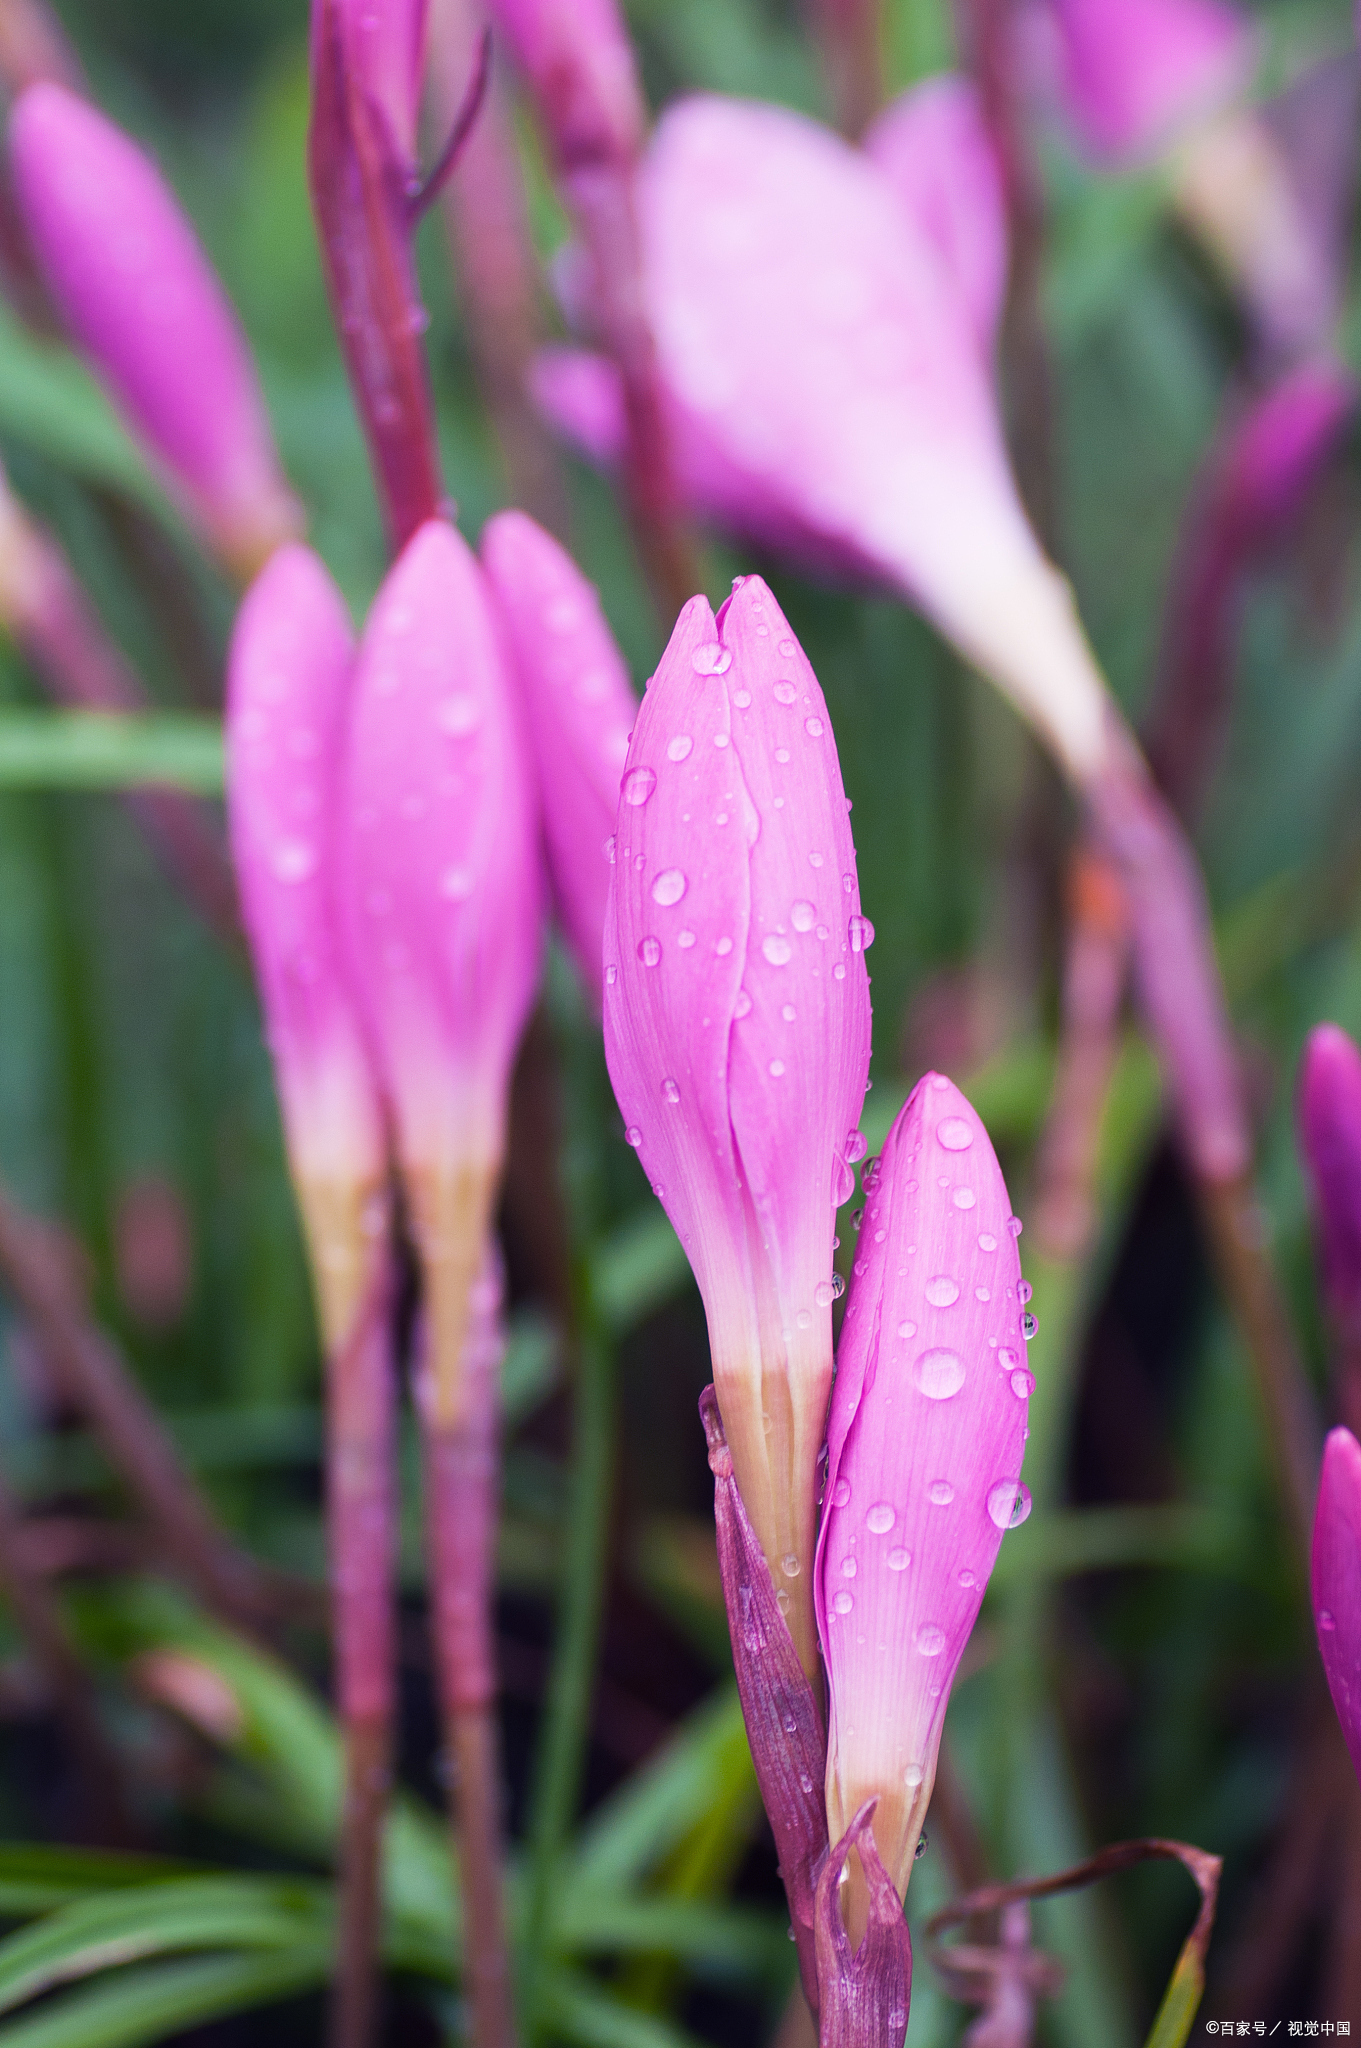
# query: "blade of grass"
111 750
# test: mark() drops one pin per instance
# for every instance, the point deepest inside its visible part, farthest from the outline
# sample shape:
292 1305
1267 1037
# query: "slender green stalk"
562 1744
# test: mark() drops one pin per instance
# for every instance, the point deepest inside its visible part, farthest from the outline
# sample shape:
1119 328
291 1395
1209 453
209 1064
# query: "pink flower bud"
580 709
126 273
1330 1146
578 60
737 1030
1138 72
933 147
288 681
925 1441
1336 1581
442 900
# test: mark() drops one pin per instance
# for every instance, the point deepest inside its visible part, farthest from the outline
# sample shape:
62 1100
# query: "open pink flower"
126 272
1330 1145
1137 73
925 1441
288 684
579 712
442 896
1336 1581
933 147
737 1029
828 395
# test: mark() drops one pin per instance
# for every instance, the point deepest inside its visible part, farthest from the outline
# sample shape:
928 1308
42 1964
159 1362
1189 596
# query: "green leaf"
722 1940
1181 2002
646 1818
49 400
585 2013
147 2005
110 750
637 1269
34 1878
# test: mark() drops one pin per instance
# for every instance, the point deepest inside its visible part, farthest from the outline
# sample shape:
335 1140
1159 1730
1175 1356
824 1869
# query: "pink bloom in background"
127 275
578 59
932 146
737 1030
1330 1145
288 686
925 1441
442 895
1336 1580
1138 73
828 396
579 711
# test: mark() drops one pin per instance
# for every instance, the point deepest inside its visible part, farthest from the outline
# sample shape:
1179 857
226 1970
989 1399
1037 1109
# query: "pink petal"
133 286
1336 1581
1278 446
925 1441
579 707
1330 1145
933 147
288 681
1138 71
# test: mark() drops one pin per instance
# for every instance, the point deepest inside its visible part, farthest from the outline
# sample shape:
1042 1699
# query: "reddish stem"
848 35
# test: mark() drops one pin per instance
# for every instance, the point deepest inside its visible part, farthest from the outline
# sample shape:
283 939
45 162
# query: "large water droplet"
986 1241
670 1090
841 1493
939 1374
1024 1291
940 1493
955 1133
857 1145
930 1639
649 951
1029 1326
679 748
777 950
843 1182
861 933
634 1136
789 1565
803 917
668 888
880 1518
785 693
1008 1503
639 784
711 658
838 1286
842 1603
913 1776
898 1560
1022 1383
942 1291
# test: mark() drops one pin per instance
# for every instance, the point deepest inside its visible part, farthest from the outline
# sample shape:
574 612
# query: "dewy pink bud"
442 899
1336 1581
1329 1114
288 682
1139 72
737 1030
579 707
925 1441
933 147
578 59
132 284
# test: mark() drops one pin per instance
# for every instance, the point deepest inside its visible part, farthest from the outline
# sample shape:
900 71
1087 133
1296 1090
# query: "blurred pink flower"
442 897
925 1441
578 60
126 272
1138 73
828 397
579 711
288 688
1336 1581
737 1030
1329 1117
933 147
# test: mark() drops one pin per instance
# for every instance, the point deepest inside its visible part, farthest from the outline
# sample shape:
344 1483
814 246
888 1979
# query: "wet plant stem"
562 1744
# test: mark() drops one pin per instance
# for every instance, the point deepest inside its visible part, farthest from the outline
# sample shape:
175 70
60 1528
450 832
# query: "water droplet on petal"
823 1295
861 934
955 1133
841 1493
843 1182
634 1136
880 1518
711 658
986 1241
639 784
785 693
913 1776
964 1198
1029 1326
857 1145
803 917
939 1374
685 940
898 1560
789 1565
776 1069
1326 1620
1022 1383
1024 1291
742 699
649 951
966 1578
814 728
1014 1225
842 1603
777 950
849 1567
679 748
611 975
942 1291
669 887
723 947
930 1639
907 1329
1008 1503
782 1601
742 1006
838 1286
670 1090
940 1493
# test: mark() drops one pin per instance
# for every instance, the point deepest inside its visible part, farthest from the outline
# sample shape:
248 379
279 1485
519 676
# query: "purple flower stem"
866 1992
487 225
462 1487
786 1726
364 222
361 1518
848 33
